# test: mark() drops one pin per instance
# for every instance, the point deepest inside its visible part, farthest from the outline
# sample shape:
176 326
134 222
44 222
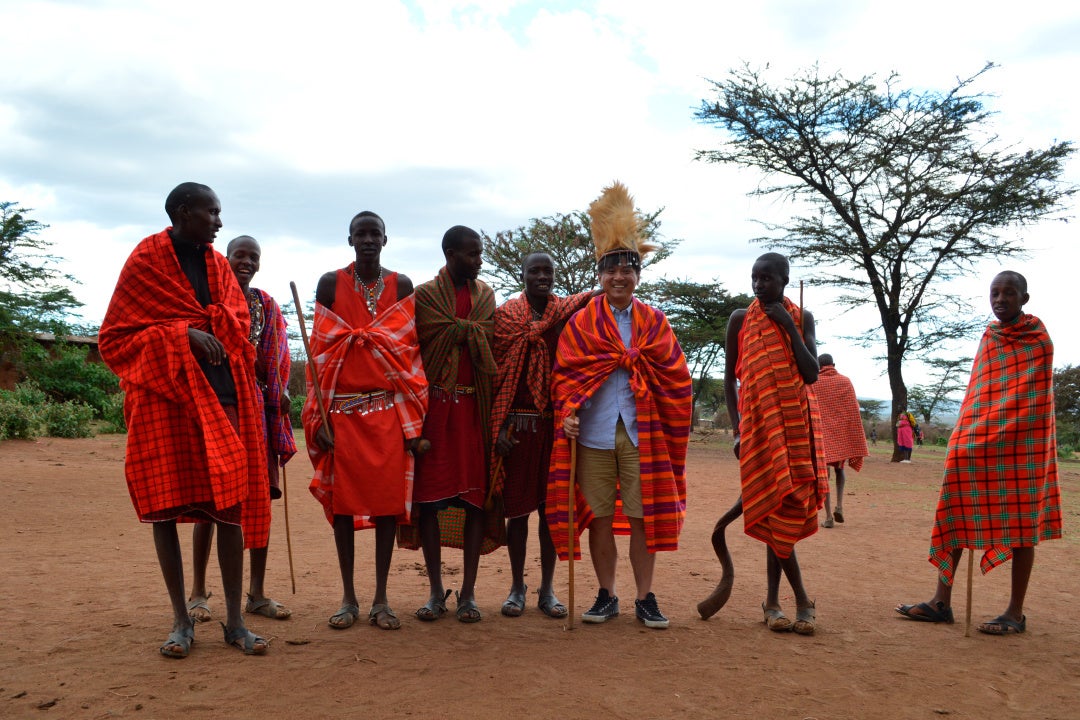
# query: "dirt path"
85 610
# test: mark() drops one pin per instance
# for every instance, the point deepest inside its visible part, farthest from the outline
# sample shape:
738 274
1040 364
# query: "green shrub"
65 375
295 410
67 419
27 393
18 421
1065 452
113 415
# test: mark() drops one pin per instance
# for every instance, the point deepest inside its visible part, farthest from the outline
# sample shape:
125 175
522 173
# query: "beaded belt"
528 420
362 403
438 391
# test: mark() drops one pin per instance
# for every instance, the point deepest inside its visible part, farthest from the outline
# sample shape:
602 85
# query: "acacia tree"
31 296
947 378
567 238
905 191
1067 405
698 313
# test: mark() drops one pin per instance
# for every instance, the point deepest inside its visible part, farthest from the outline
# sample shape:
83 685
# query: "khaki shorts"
600 473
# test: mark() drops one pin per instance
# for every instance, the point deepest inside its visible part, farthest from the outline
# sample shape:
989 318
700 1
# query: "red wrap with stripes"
784 480
590 349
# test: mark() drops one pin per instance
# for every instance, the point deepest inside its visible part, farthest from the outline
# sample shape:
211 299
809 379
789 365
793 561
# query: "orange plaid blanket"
181 448
590 348
1000 489
784 480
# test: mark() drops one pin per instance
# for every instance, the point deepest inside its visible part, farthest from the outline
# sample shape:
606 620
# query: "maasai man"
272 363
455 321
842 435
1000 491
527 331
621 388
176 332
771 352
366 354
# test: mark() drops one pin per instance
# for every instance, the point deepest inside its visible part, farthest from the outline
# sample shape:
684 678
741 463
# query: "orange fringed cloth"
391 342
590 348
1000 489
842 435
782 468
182 451
519 337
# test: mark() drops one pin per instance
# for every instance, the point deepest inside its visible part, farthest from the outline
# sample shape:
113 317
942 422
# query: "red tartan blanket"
590 348
391 339
181 448
842 434
517 337
784 480
1000 489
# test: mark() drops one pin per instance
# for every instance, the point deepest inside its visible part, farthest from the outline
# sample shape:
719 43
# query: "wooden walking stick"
967 612
572 528
288 535
311 362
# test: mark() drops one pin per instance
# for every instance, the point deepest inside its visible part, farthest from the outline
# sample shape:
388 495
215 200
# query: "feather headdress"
616 226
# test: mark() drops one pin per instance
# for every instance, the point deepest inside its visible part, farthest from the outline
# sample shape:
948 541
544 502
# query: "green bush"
295 409
18 421
113 416
65 375
28 394
1065 452
67 419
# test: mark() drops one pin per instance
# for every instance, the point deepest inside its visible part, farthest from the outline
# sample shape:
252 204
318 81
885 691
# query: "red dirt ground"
85 610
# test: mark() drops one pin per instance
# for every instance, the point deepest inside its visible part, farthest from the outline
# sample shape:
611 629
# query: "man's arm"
731 361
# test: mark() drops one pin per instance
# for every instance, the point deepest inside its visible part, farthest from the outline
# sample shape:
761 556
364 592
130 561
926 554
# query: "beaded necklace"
255 308
372 293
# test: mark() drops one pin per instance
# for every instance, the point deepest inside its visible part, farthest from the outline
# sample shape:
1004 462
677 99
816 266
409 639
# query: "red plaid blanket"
181 448
590 349
1000 489
842 433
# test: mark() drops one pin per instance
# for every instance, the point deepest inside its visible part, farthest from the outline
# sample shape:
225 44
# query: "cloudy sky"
437 113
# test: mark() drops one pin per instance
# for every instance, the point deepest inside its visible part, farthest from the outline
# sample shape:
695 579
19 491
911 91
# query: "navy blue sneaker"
605 608
648 612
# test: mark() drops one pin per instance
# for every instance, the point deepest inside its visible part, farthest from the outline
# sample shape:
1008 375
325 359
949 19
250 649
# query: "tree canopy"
902 191
1067 405
32 298
698 313
566 237
947 377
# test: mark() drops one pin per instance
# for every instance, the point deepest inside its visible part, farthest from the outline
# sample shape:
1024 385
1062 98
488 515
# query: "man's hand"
571 425
505 443
323 439
737 446
776 312
205 346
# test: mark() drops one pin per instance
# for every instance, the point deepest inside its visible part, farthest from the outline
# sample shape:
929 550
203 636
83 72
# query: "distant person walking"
841 431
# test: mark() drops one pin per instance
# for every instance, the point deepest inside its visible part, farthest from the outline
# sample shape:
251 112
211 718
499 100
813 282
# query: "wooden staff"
288 535
967 612
311 362
572 528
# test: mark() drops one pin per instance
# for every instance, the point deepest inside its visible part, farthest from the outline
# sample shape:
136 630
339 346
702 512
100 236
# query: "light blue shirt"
612 400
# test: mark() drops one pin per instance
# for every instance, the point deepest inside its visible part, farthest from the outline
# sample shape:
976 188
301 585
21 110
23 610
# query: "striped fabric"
518 337
391 339
842 435
783 472
273 348
182 451
590 349
1000 489
443 335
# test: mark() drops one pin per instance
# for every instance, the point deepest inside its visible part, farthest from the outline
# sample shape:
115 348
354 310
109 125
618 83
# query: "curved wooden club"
719 597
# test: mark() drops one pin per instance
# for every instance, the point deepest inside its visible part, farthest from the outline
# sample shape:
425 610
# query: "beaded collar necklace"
371 293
